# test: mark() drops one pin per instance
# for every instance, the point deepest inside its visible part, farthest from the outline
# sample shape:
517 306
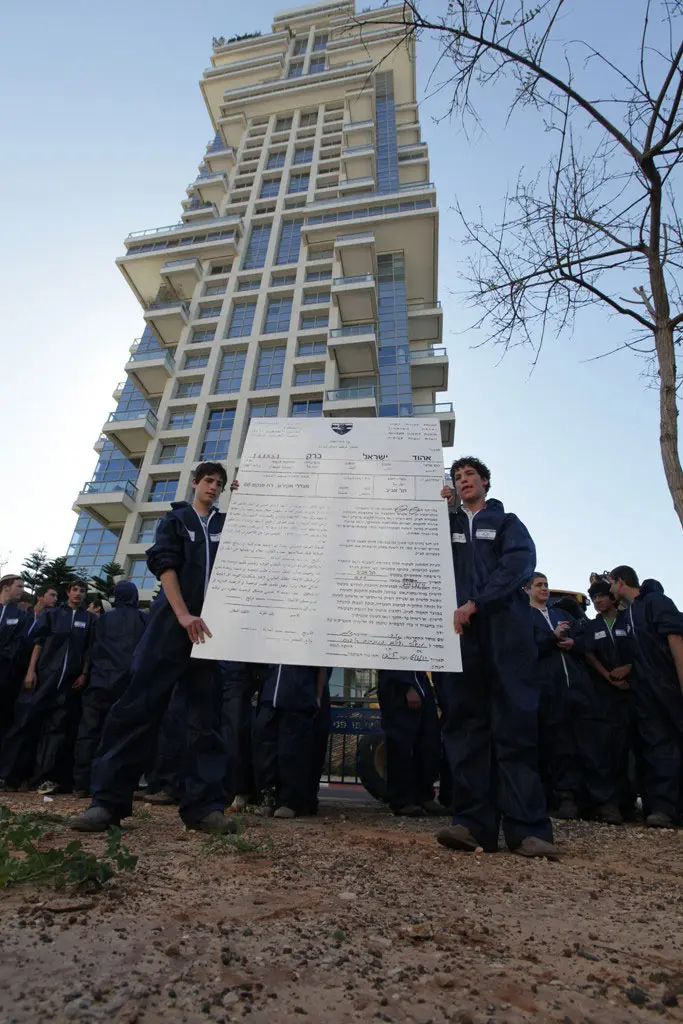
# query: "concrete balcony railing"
429 368
109 502
150 370
356 251
354 348
360 401
131 430
443 411
356 297
168 319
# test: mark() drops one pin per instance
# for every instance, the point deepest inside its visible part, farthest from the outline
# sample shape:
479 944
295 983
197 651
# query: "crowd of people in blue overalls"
554 714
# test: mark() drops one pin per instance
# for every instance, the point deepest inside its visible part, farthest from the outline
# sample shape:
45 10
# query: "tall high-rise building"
301 279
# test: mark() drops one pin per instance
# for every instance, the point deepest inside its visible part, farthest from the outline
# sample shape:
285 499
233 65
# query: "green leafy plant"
24 856
237 843
104 584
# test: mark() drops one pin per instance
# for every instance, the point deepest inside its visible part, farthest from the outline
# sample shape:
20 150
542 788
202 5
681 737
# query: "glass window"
171 453
255 255
277 315
300 46
147 529
283 123
140 575
204 334
309 375
188 389
249 285
163 489
276 159
318 275
196 362
296 69
207 311
278 280
221 268
270 366
270 187
230 372
306 120
320 254
308 407
242 319
180 419
218 433
304 155
290 242
312 348
267 409
299 182
317 64
320 41
215 289
309 320
312 297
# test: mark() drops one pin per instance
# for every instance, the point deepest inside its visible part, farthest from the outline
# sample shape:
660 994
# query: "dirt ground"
351 916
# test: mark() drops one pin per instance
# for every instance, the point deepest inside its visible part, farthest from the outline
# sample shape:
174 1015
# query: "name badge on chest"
459 538
80 625
601 635
485 534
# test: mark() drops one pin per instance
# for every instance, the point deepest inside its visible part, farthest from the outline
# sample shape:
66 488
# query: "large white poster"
336 550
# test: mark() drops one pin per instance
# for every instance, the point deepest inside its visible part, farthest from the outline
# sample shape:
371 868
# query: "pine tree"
104 584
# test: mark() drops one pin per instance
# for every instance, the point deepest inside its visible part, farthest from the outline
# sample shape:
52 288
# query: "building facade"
301 279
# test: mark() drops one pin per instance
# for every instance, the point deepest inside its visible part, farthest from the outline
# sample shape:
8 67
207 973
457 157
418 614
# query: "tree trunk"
668 416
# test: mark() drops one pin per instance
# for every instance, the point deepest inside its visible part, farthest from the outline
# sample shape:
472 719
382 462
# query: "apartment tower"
301 279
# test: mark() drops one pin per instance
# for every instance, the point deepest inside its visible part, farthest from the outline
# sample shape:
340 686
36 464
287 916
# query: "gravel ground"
351 916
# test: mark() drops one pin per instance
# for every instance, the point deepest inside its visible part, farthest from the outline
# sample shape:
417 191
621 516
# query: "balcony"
99 443
359 133
356 250
350 402
358 161
194 210
118 390
182 275
148 251
168 319
131 432
107 501
354 348
425 320
356 186
150 370
209 186
220 157
356 297
443 411
429 368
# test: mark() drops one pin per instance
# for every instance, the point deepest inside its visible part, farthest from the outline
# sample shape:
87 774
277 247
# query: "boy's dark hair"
205 468
536 576
76 583
601 587
42 590
476 464
7 581
626 574
95 599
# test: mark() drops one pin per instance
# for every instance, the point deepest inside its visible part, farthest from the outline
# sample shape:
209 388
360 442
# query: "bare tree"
602 225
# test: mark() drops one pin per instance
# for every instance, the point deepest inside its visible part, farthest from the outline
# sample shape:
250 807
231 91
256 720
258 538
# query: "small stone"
670 999
347 896
636 995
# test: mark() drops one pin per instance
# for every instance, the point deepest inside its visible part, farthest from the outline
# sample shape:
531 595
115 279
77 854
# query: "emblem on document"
342 428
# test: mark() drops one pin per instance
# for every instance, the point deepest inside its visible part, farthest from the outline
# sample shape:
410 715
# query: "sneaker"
609 814
533 846
284 812
94 819
433 807
240 803
215 822
160 799
457 837
409 811
47 787
567 809
82 794
658 819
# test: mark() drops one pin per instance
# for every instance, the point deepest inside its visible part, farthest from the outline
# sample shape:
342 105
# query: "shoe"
82 794
609 814
160 799
533 846
567 809
284 812
215 822
240 803
457 837
658 819
94 819
433 807
409 811
47 787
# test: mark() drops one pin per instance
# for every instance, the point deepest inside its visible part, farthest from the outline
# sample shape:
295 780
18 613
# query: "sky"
102 128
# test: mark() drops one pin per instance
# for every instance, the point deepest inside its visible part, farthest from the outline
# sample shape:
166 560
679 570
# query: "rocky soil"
351 916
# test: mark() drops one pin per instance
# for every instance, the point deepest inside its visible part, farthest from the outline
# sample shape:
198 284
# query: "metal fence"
351 720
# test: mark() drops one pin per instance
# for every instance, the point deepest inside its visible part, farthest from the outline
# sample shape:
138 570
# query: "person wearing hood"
491 729
655 628
182 558
115 636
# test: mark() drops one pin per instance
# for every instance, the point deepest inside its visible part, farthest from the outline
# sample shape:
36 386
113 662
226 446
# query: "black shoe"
409 811
434 807
533 846
216 822
82 794
609 814
568 809
94 819
457 837
658 819
160 799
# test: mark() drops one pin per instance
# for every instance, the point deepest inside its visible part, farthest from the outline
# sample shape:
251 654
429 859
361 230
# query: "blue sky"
103 126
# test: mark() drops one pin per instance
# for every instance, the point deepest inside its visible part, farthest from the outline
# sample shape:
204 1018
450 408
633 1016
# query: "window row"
269 373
